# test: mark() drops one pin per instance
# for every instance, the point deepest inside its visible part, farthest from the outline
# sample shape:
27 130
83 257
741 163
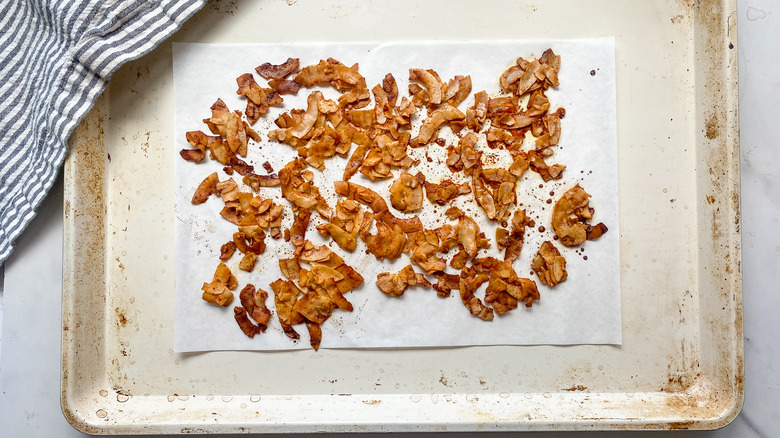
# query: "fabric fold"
55 60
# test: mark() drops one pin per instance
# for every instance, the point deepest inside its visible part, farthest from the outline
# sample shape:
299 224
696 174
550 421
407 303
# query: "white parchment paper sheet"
585 309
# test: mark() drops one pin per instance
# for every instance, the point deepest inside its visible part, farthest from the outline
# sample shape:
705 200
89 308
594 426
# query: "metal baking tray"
680 365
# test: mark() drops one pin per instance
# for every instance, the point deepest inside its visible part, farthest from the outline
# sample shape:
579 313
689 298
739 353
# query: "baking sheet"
680 362
585 309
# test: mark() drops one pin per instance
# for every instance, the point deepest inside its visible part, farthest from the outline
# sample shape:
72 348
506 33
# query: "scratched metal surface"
680 365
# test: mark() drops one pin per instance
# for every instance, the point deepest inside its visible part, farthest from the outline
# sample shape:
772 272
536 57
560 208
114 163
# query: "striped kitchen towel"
56 57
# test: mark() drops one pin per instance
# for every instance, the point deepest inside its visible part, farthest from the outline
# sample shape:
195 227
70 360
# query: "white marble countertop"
30 299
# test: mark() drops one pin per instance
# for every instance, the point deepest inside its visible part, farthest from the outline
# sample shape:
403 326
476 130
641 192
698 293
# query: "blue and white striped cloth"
56 57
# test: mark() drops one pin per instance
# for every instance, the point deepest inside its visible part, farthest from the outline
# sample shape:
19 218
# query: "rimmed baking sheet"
680 364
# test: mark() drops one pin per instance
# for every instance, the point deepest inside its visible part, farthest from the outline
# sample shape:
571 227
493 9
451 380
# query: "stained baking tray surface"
680 363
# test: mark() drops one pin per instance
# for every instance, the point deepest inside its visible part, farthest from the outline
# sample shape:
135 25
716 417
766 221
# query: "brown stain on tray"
121 318
712 127
576 388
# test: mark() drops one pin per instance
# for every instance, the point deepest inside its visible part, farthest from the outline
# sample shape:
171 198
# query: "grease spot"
227 398
415 397
503 394
103 393
254 398
121 317
576 388
210 397
101 413
171 398
121 398
547 395
472 398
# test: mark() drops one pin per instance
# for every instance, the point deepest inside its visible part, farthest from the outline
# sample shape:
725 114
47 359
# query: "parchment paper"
584 309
